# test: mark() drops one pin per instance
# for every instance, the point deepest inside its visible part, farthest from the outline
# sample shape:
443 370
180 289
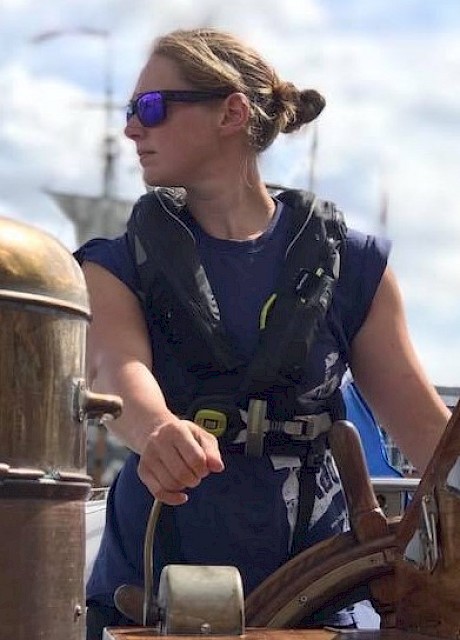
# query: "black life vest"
175 289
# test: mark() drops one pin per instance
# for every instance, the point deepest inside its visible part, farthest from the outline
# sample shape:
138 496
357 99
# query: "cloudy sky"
390 72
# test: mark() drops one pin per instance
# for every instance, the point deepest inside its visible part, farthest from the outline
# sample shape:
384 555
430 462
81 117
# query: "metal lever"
257 426
90 405
423 547
140 605
300 428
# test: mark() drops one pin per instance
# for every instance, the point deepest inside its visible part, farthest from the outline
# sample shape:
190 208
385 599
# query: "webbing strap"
174 287
307 486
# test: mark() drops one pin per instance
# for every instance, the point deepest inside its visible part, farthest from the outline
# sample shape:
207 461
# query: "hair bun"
308 106
312 103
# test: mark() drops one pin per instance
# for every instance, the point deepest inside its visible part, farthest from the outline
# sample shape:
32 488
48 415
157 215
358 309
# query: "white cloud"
50 136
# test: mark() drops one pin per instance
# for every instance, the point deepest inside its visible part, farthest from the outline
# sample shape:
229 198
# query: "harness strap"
300 428
230 424
307 487
174 285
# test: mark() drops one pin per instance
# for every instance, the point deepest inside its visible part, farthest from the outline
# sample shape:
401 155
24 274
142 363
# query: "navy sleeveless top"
239 517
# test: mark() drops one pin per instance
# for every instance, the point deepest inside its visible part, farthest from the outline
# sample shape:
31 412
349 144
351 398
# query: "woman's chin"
152 179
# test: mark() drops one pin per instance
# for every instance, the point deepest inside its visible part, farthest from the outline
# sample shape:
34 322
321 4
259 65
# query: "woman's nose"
133 128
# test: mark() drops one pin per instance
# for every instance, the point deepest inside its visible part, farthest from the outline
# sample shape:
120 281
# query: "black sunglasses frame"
172 96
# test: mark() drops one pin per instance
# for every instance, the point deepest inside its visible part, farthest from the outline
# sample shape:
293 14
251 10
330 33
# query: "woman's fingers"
177 457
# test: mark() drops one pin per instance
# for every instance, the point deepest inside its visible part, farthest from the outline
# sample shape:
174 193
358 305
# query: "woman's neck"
232 211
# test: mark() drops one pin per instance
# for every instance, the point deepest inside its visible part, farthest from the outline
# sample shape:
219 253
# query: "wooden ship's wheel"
408 567
322 580
342 570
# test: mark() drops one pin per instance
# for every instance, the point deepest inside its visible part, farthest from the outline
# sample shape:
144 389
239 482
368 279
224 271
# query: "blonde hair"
212 59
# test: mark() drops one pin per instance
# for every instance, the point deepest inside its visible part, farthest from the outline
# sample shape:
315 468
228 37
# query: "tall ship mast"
104 215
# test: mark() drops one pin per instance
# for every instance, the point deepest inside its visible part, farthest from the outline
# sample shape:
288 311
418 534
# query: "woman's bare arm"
175 454
388 372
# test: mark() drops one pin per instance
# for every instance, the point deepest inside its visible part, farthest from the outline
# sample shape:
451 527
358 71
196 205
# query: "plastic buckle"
212 421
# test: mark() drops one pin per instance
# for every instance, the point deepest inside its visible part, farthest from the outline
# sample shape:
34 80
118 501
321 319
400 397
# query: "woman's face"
182 149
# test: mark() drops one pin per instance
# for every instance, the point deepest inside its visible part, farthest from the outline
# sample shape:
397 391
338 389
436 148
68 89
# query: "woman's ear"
235 113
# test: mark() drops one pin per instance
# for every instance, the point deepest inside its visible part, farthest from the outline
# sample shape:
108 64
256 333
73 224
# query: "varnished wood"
325 573
428 601
251 634
278 634
368 522
447 452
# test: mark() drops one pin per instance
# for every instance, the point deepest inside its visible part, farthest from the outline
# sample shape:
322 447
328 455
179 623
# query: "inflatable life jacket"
176 290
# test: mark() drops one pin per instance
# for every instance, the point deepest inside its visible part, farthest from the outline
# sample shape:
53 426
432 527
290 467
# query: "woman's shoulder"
360 244
364 259
113 254
103 250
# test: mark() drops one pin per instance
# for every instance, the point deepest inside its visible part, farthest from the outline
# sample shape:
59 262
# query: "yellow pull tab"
266 310
212 421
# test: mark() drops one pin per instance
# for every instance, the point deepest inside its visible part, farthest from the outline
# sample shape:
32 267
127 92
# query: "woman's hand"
177 455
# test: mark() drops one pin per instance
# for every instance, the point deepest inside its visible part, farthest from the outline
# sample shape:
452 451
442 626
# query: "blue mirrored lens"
150 108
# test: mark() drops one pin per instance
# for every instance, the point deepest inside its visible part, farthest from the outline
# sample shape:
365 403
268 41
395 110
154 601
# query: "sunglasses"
150 107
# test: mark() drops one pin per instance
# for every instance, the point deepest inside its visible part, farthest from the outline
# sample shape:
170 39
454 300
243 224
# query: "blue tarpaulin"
359 413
